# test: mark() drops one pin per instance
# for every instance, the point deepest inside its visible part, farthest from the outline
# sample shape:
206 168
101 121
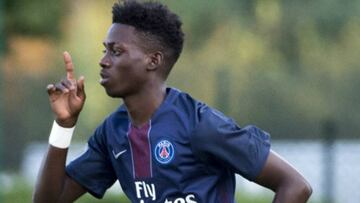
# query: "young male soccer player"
162 145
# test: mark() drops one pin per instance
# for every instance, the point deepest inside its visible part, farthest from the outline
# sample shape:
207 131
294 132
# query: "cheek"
137 58
130 71
132 67
121 67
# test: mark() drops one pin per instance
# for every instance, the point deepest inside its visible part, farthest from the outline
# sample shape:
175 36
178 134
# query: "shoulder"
213 128
180 106
110 124
182 100
212 125
197 112
116 118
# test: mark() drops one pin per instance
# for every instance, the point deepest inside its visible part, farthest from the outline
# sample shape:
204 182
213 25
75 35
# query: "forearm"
67 99
51 176
288 184
293 193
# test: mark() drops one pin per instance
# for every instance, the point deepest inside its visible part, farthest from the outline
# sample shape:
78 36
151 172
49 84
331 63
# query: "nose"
104 62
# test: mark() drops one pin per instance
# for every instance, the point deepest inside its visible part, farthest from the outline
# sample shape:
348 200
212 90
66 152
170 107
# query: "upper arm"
71 191
278 173
93 170
217 138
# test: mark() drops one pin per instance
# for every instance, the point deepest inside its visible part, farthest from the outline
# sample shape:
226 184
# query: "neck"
141 106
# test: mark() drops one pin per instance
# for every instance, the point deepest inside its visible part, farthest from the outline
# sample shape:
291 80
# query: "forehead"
121 33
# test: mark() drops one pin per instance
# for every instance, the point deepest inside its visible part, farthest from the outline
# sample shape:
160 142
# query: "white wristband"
60 137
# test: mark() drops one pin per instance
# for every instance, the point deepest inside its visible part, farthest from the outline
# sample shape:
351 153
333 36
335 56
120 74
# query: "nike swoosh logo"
118 154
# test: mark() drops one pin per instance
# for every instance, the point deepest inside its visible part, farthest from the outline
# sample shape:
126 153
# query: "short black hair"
160 26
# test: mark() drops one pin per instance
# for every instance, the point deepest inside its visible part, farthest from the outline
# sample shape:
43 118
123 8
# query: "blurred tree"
35 18
286 64
223 90
30 28
2 109
292 62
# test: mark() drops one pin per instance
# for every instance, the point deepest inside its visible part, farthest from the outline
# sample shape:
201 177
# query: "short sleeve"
218 139
93 169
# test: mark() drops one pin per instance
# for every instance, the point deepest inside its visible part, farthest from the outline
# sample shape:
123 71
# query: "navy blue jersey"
187 153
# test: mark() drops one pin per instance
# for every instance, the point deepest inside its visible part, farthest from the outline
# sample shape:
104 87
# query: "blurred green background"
286 66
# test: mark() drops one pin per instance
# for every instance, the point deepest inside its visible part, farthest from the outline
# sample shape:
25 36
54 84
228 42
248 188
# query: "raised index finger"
69 66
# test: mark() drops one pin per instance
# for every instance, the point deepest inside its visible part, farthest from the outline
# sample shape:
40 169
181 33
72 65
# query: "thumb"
81 87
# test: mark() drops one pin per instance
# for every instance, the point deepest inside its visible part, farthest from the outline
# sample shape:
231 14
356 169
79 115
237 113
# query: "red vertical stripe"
223 191
140 149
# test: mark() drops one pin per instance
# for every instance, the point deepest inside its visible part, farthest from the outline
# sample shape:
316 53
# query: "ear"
156 60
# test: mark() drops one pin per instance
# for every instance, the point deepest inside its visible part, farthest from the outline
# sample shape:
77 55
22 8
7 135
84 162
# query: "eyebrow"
111 44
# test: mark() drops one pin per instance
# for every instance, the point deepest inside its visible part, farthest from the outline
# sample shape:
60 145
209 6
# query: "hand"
67 97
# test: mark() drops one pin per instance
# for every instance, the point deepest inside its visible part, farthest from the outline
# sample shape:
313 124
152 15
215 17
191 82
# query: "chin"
114 94
119 92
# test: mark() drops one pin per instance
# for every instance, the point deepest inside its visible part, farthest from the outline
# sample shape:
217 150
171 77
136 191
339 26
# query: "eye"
112 52
116 52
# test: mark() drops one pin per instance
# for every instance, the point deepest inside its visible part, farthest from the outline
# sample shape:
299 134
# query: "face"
124 64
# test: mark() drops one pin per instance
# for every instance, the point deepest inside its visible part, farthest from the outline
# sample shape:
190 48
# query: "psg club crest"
164 152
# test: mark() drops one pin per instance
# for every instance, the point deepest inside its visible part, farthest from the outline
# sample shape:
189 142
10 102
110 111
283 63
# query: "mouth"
104 78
